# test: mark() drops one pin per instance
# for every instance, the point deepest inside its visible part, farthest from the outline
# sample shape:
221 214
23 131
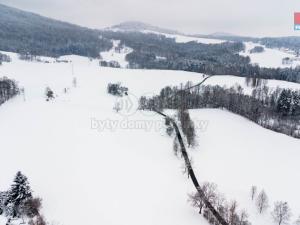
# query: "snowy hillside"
133 26
180 38
270 57
92 165
117 54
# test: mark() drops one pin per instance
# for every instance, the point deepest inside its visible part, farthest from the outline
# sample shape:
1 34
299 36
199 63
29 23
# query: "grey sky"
252 17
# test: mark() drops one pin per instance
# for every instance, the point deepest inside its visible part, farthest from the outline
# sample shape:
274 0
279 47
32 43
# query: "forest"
24 32
277 110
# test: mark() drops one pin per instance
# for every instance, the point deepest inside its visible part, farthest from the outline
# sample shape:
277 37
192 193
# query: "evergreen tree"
19 193
284 102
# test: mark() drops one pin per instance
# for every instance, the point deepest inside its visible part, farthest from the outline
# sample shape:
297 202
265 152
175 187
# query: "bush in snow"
49 94
281 213
31 207
116 89
169 126
39 220
8 89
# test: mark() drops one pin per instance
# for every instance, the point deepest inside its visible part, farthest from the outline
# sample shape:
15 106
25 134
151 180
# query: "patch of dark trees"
117 89
291 42
112 64
277 110
18 203
8 89
257 49
29 33
4 58
211 59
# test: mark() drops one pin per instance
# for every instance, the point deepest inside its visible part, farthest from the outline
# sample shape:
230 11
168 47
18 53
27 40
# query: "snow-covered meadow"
270 58
129 174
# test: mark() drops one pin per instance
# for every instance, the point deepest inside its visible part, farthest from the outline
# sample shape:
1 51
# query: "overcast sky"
252 17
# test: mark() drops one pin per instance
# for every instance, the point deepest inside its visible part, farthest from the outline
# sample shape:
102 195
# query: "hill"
129 175
25 32
140 26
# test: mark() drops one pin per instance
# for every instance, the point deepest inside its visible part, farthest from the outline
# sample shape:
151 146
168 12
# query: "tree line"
228 210
278 110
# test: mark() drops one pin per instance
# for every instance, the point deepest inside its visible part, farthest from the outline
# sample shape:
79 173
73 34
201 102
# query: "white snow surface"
184 38
115 55
130 175
270 58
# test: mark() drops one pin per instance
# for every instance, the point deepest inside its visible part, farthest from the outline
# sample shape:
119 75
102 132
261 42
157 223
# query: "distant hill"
139 26
26 32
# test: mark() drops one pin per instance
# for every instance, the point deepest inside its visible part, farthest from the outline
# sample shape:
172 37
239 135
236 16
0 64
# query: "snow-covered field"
118 55
184 38
269 58
122 173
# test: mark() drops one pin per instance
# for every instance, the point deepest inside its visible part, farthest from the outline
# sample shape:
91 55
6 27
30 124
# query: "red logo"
297 18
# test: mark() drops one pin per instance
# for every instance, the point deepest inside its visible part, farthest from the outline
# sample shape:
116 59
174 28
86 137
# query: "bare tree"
281 213
244 217
233 217
262 201
210 191
196 201
253 192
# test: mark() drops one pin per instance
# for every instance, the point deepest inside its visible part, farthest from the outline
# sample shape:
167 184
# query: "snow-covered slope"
236 154
134 26
185 38
117 54
270 57
126 173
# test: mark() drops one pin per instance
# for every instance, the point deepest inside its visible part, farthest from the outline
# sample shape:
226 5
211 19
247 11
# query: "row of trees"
8 89
281 212
278 109
18 202
187 127
228 210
